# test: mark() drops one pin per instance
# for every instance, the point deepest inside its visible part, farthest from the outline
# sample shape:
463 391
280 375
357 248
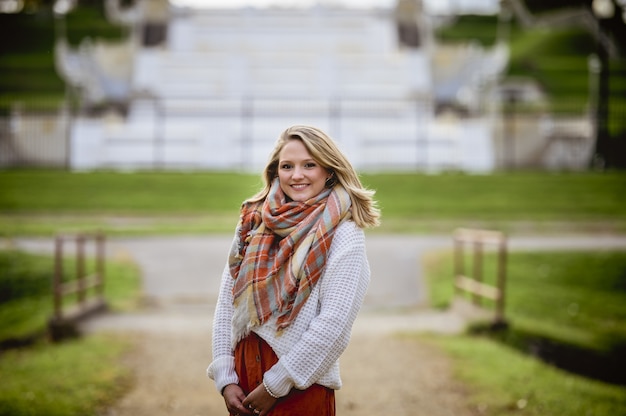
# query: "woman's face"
300 176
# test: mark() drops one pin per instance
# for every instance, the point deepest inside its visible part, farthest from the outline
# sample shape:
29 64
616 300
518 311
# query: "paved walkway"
181 278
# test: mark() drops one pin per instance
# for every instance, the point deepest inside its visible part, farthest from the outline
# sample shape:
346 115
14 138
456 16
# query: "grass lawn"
77 377
573 297
569 307
43 202
505 382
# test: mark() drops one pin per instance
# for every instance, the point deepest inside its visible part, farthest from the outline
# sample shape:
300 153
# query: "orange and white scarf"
279 253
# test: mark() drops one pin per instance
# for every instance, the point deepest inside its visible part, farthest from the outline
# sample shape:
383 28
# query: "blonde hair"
323 149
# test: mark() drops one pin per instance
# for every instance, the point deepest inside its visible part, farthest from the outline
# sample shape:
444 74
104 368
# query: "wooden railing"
87 288
474 283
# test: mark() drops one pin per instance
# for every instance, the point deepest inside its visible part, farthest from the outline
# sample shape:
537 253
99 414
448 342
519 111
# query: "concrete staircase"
227 82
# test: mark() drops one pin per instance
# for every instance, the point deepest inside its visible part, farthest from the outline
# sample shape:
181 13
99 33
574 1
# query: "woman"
296 278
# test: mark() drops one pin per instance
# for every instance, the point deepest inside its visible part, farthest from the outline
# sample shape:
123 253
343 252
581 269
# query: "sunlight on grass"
47 202
77 377
505 382
73 378
574 297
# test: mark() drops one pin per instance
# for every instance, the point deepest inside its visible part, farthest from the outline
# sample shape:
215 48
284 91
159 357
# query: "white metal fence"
31 137
376 135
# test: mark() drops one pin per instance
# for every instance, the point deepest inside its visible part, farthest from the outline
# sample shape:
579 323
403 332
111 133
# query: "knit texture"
279 254
309 348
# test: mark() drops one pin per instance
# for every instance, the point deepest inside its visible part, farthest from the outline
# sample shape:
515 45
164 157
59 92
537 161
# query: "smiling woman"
295 280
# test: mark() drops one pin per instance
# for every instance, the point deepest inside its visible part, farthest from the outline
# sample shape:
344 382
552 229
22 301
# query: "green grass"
516 196
504 382
79 377
576 298
121 193
558 61
26 301
42 202
26 298
115 225
557 58
477 28
27 60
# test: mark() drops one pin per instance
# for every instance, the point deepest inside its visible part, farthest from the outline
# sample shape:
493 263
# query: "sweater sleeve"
222 369
342 290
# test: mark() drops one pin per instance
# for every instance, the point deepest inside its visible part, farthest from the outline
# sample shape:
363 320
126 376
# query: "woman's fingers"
234 397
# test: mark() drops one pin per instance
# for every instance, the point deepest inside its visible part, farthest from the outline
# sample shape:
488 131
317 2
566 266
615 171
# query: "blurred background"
406 85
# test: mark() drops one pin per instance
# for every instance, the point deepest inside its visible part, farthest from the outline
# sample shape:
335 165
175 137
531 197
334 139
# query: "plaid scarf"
279 254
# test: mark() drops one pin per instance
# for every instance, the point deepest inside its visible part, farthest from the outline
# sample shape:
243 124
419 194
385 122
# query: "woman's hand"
234 397
259 401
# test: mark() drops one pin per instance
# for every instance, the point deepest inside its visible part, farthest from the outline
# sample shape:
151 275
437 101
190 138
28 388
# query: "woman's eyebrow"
290 161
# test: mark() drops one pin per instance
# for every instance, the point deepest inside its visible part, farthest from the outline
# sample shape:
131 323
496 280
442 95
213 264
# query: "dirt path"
383 372
391 375
383 375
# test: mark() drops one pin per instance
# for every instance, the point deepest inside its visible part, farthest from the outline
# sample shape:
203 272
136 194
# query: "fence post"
58 277
64 322
100 255
478 268
475 284
459 262
80 270
500 303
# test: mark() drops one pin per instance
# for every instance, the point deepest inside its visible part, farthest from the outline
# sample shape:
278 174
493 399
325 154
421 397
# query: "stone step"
179 74
288 31
397 109
200 64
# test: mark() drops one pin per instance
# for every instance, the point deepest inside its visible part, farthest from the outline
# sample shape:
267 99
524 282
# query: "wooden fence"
88 289
474 283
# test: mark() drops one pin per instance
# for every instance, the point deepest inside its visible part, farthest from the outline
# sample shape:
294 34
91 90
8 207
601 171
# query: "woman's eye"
285 166
309 165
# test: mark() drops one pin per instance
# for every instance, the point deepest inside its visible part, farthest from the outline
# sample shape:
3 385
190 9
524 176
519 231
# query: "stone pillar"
155 16
407 15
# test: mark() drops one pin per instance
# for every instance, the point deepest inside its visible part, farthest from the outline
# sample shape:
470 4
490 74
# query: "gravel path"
383 373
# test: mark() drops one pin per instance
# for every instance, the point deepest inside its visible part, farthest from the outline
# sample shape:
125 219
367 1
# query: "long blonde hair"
323 149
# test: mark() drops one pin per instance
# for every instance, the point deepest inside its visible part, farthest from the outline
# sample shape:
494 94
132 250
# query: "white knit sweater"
309 348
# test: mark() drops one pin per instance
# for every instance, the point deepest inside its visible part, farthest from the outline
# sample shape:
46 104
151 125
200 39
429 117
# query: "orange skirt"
254 356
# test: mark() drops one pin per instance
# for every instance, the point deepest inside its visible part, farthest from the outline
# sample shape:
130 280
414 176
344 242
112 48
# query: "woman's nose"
297 173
